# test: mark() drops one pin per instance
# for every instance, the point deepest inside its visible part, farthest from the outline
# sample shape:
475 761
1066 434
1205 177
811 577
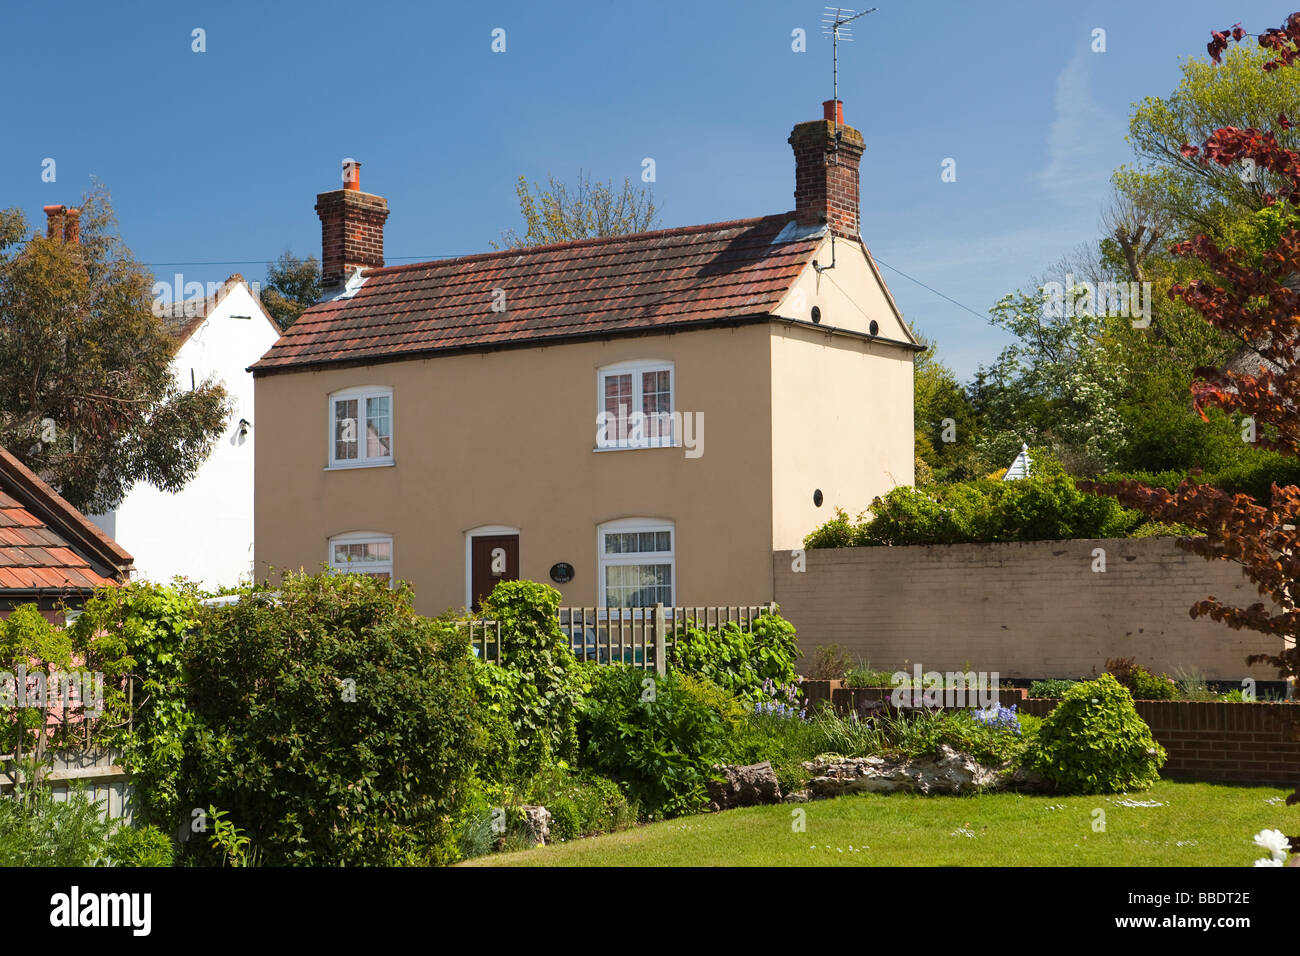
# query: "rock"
950 772
744 786
798 796
1025 781
537 824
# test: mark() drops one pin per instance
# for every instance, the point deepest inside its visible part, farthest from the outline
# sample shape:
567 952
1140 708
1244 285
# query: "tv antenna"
836 24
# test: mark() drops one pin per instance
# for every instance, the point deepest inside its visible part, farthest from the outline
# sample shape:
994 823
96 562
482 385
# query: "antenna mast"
835 22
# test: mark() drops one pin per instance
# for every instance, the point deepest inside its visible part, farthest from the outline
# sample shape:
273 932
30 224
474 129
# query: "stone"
950 772
744 786
537 824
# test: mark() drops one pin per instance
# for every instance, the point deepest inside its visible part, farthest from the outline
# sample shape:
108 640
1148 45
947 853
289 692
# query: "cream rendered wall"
841 405
205 531
506 438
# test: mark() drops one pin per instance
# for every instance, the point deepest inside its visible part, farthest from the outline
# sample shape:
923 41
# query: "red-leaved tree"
1258 303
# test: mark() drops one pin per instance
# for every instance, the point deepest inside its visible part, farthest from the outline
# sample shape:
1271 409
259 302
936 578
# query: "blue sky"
214 159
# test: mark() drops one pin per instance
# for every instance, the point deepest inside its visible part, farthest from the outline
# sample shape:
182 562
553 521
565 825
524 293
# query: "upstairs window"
361 427
636 563
363 552
635 406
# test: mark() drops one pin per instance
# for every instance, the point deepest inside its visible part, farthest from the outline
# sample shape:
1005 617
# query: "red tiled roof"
593 287
46 545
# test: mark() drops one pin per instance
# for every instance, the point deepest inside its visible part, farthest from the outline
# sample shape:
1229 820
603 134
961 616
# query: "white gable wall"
205 531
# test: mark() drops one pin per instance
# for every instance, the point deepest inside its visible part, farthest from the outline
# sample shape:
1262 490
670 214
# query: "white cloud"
1081 138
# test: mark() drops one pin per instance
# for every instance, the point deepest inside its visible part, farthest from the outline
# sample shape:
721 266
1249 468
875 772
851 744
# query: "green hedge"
1043 508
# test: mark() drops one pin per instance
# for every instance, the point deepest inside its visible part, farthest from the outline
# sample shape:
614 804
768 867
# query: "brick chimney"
826 177
63 224
351 228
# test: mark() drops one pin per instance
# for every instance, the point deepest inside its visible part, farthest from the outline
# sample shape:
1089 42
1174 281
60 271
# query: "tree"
87 396
1189 197
1250 296
587 210
292 287
944 422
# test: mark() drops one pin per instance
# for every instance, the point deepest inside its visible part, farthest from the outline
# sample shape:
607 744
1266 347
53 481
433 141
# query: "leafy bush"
657 735
37 830
495 692
586 805
737 660
1046 506
544 698
830 662
1095 742
141 846
334 724
920 732
1050 688
141 630
864 675
1140 682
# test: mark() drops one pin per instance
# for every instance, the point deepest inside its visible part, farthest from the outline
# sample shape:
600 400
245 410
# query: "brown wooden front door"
493 558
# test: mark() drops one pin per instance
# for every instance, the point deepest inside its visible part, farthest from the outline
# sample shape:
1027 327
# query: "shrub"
657 735
544 699
1095 742
864 675
920 732
141 629
37 830
1046 506
1050 688
830 662
141 846
1140 682
334 724
737 660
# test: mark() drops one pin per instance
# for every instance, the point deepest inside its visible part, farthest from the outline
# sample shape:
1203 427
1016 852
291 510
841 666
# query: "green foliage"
336 725
145 846
1140 682
659 736
1050 688
292 286
544 698
37 830
1046 506
233 844
864 675
27 639
839 532
496 690
920 732
139 631
1095 742
583 805
737 660
88 398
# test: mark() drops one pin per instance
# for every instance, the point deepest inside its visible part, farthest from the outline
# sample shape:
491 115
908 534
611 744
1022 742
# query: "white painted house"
205 531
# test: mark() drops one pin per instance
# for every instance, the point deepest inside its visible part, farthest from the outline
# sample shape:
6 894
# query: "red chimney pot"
833 110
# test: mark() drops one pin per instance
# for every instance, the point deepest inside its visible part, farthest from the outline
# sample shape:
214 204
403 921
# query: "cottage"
204 531
524 413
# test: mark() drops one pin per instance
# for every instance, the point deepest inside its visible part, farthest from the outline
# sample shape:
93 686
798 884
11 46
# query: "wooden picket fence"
642 637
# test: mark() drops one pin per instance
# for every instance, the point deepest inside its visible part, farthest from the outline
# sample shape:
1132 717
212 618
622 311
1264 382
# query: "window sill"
645 447
351 466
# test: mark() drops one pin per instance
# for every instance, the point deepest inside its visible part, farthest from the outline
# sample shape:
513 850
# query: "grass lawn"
1196 824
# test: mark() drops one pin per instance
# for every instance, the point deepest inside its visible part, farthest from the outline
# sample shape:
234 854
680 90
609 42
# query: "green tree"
87 396
1190 197
586 210
292 286
944 423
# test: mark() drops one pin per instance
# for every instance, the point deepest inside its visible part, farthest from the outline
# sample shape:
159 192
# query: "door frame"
485 531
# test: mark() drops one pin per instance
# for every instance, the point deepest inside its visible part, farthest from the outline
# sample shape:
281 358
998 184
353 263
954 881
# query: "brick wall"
1219 743
1023 609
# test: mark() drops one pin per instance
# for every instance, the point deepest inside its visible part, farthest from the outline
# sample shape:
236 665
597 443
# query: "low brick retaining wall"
1217 742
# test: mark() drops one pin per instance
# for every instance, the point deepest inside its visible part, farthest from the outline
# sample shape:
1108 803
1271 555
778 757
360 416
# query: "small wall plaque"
562 573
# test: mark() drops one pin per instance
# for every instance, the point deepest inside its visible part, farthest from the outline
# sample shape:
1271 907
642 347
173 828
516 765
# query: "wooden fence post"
661 643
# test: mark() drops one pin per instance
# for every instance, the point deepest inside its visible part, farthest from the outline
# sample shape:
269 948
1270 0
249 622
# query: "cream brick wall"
1024 609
